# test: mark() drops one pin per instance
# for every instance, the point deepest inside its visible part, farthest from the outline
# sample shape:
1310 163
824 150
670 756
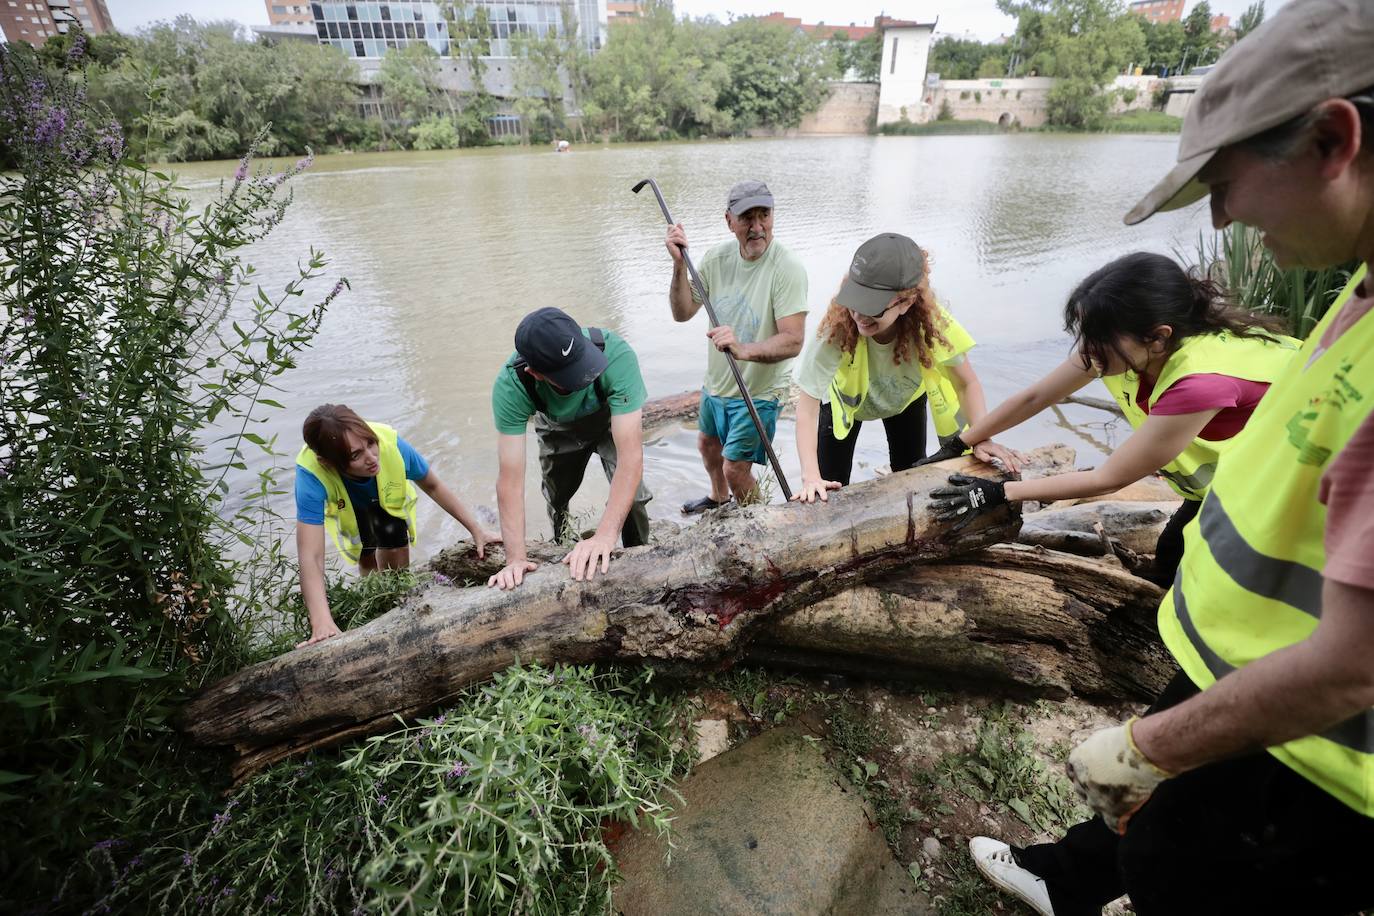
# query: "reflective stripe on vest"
1254 359
1250 582
395 493
849 389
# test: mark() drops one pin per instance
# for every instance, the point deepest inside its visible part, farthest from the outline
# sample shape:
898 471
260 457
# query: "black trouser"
906 442
1169 547
1247 835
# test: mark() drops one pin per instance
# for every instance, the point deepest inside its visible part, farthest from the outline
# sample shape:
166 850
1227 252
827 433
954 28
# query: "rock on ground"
766 828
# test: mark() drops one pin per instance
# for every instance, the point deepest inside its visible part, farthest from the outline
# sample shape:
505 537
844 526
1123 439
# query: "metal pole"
729 357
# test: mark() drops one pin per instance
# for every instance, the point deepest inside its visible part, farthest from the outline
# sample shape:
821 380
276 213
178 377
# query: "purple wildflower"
220 820
108 844
305 163
439 720
382 799
78 48
441 579
270 899
186 859
242 171
458 771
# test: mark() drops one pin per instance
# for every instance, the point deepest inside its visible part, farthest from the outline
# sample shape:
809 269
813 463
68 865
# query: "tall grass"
1237 259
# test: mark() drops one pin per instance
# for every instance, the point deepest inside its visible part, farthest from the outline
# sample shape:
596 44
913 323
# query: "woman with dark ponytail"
1186 367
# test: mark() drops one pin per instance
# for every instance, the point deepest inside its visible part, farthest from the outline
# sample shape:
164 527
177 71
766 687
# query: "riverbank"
1130 122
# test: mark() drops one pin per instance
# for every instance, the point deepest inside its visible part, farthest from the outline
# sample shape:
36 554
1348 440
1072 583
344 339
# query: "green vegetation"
136 361
940 126
1142 121
1237 259
185 90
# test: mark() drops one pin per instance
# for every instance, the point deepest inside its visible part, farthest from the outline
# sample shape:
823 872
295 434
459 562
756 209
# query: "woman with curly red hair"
885 349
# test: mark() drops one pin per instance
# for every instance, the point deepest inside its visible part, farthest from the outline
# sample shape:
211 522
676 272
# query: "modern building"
621 11
289 12
35 21
1159 10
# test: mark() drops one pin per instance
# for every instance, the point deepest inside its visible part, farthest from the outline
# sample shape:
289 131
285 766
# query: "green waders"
564 450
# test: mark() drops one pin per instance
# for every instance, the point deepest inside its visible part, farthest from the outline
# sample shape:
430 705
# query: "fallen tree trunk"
692 601
1010 619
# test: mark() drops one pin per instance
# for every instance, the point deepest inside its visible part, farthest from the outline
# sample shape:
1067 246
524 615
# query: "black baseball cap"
746 195
553 345
882 267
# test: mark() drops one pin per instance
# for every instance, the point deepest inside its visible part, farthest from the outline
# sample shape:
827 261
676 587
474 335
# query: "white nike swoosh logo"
569 349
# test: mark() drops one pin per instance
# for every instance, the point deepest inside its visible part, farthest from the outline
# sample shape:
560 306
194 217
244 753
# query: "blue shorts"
727 419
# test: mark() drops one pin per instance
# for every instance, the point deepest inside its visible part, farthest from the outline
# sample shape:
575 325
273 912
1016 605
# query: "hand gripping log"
729 357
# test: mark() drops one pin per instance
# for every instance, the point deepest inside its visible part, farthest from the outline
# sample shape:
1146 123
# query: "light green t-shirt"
750 296
891 386
622 382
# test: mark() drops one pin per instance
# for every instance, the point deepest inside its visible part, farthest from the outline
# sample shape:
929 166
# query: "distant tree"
867 59
410 80
1201 45
1250 19
1164 42
776 75
961 58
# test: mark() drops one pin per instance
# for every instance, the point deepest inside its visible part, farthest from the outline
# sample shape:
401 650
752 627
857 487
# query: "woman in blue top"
354 479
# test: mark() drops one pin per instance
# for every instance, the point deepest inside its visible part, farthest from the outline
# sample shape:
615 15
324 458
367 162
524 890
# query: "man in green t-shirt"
584 391
758 289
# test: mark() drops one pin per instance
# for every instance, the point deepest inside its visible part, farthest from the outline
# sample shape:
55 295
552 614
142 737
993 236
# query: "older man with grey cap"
759 290
1248 787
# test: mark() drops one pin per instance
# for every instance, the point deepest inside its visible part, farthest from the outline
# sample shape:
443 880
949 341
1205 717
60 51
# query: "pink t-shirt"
1234 399
1347 487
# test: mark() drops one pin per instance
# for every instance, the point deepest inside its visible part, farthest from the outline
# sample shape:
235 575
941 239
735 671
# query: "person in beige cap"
1248 787
758 289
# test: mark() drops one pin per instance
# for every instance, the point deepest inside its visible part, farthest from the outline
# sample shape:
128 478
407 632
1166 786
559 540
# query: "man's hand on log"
582 559
512 574
966 498
320 634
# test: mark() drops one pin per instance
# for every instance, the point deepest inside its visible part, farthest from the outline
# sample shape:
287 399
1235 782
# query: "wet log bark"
693 601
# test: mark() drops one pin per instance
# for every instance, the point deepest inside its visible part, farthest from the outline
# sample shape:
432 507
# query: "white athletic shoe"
994 860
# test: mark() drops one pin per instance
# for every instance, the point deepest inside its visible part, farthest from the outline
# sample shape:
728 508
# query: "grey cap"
746 195
882 267
1312 50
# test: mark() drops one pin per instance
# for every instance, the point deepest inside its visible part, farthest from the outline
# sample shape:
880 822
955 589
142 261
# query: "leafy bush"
497 804
435 131
129 379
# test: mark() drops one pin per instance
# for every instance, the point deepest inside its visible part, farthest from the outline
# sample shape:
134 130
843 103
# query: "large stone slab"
767 828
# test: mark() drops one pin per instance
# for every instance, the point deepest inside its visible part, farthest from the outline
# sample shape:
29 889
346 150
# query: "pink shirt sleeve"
1196 393
1347 489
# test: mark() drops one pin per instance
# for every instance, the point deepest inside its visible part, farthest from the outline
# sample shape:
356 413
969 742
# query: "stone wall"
850 109
1020 101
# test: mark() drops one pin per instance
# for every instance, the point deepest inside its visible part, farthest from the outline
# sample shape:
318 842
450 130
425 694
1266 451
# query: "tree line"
1084 44
188 90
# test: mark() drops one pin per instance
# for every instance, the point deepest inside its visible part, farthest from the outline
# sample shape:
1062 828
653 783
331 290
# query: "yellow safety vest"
396 494
1251 578
1254 359
849 387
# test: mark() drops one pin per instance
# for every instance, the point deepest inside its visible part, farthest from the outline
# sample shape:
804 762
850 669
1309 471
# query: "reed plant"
1237 259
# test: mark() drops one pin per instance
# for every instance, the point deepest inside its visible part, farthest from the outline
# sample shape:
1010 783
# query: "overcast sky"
955 16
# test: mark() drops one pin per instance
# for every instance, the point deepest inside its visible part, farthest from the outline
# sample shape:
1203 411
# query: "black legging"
1169 547
906 442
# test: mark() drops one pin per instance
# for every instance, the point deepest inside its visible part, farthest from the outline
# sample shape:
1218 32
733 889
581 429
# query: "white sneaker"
994 860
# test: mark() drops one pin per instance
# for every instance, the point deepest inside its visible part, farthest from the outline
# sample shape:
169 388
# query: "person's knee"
709 446
740 474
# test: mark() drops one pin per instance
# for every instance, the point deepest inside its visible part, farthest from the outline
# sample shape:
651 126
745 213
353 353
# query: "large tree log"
692 601
1010 619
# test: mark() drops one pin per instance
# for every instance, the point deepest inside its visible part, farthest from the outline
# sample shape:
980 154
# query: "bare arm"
808 420
680 290
1300 690
510 503
438 491
785 344
1067 377
627 431
310 555
1159 440
974 402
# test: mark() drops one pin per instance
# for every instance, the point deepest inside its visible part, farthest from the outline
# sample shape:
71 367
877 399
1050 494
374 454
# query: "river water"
446 251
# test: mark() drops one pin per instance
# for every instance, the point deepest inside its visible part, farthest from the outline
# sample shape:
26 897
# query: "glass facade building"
367 30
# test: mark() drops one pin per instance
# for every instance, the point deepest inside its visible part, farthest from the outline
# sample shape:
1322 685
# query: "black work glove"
953 448
966 498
